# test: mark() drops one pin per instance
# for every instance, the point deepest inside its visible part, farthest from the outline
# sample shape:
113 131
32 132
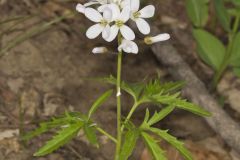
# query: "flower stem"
134 107
118 88
106 134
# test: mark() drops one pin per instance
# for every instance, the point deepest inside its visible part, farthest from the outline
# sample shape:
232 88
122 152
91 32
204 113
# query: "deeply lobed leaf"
63 137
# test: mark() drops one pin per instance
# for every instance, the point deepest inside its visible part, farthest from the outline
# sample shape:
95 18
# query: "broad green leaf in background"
235 54
233 12
222 15
63 137
129 143
90 133
153 147
237 71
99 102
197 11
173 141
210 49
236 2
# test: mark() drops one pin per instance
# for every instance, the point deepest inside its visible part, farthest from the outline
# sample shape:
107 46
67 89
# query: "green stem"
228 54
107 134
118 88
134 107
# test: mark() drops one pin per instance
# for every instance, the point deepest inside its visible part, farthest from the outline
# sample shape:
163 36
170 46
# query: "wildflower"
99 50
139 15
102 25
120 20
128 47
158 38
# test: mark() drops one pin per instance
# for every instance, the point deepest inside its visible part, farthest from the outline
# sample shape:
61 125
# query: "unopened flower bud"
99 50
158 38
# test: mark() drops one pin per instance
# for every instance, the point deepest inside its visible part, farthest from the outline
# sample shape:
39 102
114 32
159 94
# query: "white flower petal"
127 33
106 32
102 7
161 37
93 15
128 47
113 33
94 31
115 10
143 26
107 14
125 14
147 12
80 8
90 3
125 3
135 4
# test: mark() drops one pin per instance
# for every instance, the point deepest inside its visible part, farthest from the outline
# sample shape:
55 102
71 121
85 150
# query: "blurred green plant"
211 48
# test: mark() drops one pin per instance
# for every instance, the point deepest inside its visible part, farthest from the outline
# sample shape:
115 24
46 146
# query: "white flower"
120 19
102 25
99 50
80 8
158 38
128 47
139 15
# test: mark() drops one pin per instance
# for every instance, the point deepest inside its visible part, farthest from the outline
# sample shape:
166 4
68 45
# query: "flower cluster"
111 17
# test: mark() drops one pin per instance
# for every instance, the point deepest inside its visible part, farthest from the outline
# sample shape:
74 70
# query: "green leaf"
197 12
153 147
174 100
129 144
147 115
237 71
222 15
235 54
173 141
210 49
236 2
158 116
99 102
155 86
90 133
172 86
183 104
63 137
134 89
46 126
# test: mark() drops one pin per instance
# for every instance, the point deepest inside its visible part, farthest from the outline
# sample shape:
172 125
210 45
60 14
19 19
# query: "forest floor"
47 74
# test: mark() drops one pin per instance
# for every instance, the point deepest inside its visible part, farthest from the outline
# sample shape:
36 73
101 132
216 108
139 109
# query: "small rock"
8 134
30 102
228 87
15 84
52 102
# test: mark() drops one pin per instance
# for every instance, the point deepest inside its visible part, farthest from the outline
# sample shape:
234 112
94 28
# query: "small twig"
74 151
